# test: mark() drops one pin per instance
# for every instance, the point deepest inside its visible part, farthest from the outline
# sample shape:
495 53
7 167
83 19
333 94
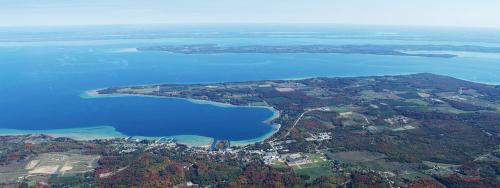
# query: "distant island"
433 51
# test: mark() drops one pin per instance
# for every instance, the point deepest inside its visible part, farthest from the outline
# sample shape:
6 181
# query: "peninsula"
433 51
380 131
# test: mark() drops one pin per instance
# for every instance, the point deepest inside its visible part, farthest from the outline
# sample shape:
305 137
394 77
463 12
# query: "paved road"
298 119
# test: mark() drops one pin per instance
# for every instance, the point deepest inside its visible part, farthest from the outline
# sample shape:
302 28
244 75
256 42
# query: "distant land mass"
433 51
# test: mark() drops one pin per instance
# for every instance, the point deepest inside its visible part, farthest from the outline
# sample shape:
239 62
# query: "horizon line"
248 23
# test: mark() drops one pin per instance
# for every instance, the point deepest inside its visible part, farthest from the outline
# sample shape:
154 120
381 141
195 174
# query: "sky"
463 13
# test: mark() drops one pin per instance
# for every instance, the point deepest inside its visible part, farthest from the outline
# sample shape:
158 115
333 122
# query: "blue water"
43 71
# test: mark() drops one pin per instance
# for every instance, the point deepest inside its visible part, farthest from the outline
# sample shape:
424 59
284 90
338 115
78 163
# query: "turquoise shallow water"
43 73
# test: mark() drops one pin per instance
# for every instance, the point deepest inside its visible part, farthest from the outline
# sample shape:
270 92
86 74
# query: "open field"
357 156
40 167
52 163
318 167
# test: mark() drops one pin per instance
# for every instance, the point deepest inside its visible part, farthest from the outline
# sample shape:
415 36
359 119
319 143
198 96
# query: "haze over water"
43 72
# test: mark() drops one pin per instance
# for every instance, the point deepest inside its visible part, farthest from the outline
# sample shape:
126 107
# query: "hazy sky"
474 13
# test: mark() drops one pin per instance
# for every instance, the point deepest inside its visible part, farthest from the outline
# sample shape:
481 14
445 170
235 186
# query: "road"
299 118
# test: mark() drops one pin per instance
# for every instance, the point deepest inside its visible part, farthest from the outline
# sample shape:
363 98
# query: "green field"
319 167
279 164
449 110
417 101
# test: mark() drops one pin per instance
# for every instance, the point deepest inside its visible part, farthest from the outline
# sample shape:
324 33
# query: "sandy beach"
107 132
85 133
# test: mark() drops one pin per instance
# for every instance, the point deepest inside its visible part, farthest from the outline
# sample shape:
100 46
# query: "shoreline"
107 132
84 133
491 83
90 94
185 139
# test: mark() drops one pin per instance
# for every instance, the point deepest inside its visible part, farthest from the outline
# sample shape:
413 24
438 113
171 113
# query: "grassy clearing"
357 156
449 110
415 176
440 168
368 160
343 109
319 167
418 102
279 164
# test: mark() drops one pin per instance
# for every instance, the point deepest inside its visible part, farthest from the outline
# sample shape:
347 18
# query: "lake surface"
44 71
